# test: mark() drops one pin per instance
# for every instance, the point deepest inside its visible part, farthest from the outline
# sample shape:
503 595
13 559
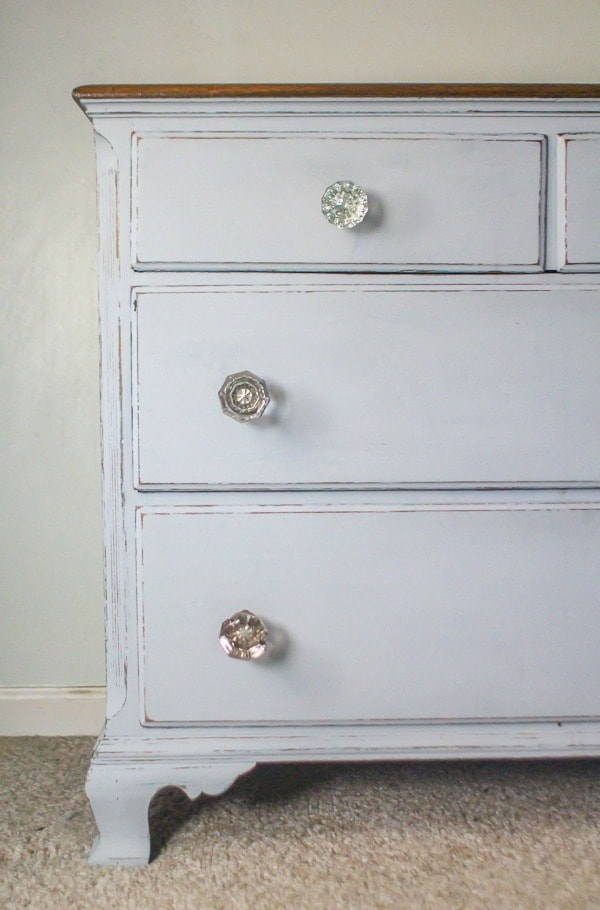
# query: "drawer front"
583 201
440 203
370 386
388 613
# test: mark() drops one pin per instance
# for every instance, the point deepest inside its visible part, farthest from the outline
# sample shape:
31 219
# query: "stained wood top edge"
84 93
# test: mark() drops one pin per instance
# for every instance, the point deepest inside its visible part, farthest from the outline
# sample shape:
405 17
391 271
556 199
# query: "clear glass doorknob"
244 396
244 636
344 204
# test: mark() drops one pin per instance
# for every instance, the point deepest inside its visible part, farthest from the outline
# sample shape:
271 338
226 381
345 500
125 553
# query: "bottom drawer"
391 612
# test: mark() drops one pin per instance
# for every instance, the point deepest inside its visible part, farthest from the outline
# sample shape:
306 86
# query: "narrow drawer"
370 386
583 201
459 203
381 612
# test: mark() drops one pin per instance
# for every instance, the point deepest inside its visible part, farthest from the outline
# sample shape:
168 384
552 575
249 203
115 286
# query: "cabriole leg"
120 799
120 796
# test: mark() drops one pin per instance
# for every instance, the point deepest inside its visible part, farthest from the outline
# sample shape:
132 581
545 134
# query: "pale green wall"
50 577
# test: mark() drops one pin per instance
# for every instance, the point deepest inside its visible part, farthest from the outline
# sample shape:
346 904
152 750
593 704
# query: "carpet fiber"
326 836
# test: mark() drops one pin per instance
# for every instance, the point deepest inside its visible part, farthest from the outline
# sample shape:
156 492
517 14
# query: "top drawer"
582 201
436 203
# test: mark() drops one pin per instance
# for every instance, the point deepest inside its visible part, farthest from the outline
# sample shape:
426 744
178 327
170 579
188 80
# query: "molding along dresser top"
350 408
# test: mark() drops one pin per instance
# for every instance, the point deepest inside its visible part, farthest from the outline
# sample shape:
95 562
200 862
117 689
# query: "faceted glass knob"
244 636
344 204
244 396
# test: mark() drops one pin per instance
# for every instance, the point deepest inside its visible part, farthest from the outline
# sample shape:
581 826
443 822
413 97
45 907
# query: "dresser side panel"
111 187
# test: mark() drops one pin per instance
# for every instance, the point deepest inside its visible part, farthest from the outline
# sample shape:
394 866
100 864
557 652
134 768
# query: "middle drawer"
370 386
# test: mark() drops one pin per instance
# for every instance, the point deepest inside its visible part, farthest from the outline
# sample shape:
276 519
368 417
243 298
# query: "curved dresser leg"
120 798
120 801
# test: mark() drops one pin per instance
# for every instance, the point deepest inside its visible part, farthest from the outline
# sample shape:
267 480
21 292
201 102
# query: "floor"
354 836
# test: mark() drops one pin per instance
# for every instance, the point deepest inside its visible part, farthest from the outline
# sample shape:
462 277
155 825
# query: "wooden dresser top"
340 90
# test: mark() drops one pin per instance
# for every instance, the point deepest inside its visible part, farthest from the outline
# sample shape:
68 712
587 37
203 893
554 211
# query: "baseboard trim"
52 711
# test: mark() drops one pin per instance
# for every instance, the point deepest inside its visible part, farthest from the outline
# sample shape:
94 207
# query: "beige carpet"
357 837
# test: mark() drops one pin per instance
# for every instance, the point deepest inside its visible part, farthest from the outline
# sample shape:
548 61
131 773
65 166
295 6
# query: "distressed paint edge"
273 727
111 391
575 264
350 266
182 747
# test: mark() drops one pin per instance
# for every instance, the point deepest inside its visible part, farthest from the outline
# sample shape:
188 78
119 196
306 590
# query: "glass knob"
344 204
244 636
244 396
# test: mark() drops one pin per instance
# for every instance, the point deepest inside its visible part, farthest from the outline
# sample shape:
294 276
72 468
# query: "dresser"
350 375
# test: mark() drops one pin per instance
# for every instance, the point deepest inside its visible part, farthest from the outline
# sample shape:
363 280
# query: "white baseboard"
51 711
